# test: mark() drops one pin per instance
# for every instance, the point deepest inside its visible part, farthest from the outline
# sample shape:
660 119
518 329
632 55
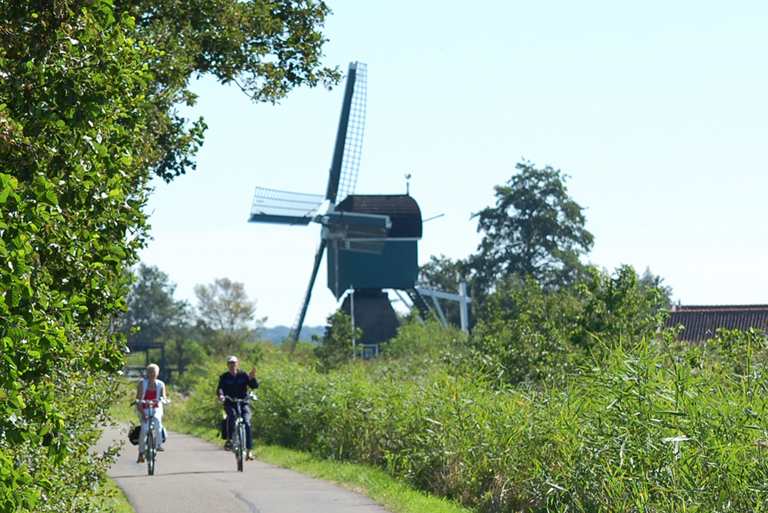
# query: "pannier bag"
133 435
135 431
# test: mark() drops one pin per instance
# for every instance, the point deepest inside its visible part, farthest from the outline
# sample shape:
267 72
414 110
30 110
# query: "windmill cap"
232 359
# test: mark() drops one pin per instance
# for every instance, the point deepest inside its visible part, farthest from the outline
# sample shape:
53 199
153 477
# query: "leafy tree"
530 334
226 317
87 114
442 273
153 310
617 308
183 353
72 187
162 321
524 334
336 344
535 229
264 47
649 281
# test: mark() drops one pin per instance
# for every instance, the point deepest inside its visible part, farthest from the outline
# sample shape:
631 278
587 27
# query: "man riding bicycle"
234 383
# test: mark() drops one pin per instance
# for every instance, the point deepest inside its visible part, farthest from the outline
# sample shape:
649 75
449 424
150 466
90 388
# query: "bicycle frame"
150 444
239 436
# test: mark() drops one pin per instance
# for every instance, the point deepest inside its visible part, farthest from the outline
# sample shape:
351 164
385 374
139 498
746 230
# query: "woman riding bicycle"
150 389
234 383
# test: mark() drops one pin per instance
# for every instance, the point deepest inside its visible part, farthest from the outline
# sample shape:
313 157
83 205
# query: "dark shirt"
236 385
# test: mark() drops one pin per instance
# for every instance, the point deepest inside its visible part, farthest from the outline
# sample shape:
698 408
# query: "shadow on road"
131 476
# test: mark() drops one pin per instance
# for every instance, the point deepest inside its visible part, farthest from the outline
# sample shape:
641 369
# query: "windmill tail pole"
300 319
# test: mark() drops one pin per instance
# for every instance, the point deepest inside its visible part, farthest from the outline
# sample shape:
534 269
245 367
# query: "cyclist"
235 383
149 389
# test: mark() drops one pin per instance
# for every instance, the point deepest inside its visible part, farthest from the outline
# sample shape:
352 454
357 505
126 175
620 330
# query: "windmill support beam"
352 317
462 298
410 307
439 310
463 309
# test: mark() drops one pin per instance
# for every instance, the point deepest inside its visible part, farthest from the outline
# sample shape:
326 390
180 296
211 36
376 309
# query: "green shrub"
72 187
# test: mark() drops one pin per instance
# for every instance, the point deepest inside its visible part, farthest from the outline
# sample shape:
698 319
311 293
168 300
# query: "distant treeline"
278 334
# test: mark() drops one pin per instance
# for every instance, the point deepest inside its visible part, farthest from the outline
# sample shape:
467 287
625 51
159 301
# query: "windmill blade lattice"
342 177
353 144
284 207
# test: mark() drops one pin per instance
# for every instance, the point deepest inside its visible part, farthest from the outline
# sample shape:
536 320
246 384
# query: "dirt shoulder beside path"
193 475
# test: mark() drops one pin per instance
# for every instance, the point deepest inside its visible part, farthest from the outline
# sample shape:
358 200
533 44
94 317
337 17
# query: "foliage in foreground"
560 401
647 428
71 191
87 115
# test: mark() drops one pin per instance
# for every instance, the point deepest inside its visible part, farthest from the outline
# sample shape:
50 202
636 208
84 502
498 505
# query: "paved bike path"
193 475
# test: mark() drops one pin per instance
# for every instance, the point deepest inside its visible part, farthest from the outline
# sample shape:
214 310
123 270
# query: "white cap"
232 359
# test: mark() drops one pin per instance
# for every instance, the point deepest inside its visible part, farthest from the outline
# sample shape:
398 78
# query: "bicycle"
239 437
150 444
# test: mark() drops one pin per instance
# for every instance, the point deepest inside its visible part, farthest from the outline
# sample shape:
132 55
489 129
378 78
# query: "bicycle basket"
133 435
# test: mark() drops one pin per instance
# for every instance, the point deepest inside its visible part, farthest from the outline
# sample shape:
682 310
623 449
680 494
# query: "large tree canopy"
266 47
535 230
87 98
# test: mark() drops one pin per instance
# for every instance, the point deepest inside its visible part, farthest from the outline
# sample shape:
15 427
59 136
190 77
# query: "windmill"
370 239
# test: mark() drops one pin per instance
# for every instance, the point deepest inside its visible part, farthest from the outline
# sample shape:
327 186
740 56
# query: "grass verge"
117 502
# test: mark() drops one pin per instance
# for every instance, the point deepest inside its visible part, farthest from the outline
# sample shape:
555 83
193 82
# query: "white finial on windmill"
407 184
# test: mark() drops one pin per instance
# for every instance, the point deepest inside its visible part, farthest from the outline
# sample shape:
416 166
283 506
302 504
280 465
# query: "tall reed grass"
645 429
648 427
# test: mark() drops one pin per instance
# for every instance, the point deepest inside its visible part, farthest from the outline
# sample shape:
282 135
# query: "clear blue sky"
657 111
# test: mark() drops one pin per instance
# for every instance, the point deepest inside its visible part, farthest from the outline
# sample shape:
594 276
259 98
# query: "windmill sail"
342 178
297 325
283 207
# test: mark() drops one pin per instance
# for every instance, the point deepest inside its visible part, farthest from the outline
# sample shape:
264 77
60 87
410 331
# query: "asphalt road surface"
193 475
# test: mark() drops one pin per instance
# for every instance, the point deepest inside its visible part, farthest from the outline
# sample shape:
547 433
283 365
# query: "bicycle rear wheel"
240 452
151 451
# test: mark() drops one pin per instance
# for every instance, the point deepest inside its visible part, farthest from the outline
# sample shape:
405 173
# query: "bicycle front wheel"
151 451
240 452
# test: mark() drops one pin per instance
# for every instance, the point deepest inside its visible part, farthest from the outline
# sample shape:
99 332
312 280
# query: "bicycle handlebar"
152 401
243 400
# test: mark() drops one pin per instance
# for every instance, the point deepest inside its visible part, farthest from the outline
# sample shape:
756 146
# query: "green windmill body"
368 265
390 262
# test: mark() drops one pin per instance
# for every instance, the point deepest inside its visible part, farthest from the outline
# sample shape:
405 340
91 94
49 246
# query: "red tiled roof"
701 322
